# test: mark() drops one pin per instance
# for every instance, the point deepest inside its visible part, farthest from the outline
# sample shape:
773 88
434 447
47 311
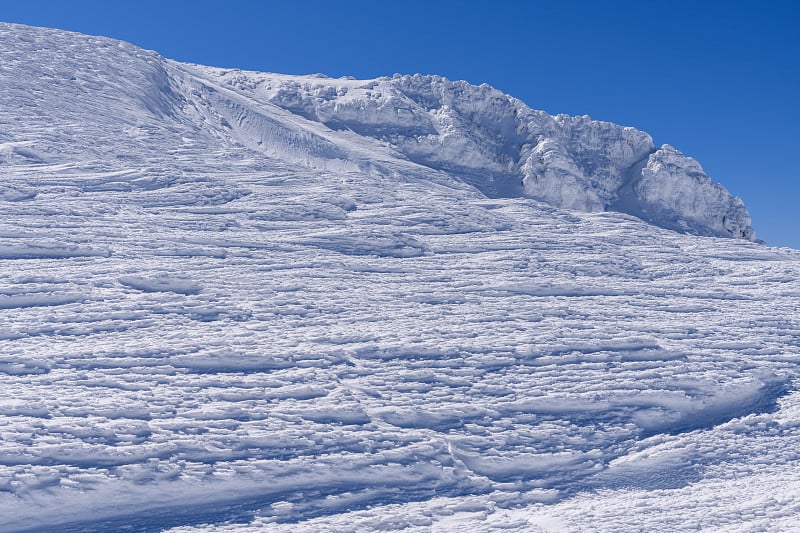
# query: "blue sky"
719 80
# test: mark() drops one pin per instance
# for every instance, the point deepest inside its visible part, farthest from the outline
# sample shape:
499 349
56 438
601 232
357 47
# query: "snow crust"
233 301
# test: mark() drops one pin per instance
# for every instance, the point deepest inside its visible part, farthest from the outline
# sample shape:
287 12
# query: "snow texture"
235 301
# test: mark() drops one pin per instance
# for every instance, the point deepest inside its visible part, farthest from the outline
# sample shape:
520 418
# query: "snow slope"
237 301
506 149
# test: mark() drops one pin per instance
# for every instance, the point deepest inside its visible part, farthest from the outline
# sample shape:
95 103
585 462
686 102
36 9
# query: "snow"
236 301
501 146
160 284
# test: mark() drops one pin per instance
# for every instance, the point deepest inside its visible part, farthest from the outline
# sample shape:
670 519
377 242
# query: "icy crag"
504 148
242 302
477 134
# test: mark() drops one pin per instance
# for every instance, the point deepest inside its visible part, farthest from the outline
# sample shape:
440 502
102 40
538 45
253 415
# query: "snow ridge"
476 134
504 148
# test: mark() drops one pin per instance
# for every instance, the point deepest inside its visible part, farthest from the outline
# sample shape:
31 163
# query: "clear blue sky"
719 80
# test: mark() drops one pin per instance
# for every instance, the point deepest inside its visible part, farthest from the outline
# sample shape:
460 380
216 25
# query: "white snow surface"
236 301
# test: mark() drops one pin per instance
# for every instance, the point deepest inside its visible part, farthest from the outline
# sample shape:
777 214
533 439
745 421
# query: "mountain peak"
504 148
476 134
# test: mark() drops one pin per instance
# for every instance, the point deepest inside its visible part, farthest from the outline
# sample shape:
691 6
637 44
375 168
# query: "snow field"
326 331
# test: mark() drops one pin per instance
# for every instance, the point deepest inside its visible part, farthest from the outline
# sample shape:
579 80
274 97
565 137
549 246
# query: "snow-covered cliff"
135 102
505 148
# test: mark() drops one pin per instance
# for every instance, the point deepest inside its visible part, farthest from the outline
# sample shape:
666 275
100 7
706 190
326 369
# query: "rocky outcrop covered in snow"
504 148
102 99
673 189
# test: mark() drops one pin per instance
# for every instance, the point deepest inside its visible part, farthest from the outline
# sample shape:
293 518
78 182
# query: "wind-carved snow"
501 146
241 301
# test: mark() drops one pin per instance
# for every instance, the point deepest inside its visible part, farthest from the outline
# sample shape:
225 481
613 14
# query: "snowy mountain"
506 149
479 135
237 301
